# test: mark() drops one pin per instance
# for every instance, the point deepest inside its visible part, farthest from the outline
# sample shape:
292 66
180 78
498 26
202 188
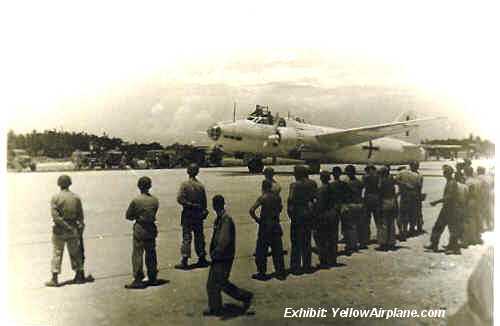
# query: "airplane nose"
214 132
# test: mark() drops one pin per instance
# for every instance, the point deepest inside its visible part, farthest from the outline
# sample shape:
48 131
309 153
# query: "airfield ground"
407 278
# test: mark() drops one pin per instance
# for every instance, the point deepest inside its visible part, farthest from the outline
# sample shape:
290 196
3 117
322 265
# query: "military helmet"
324 174
336 170
144 183
64 181
193 169
350 169
268 171
447 169
300 171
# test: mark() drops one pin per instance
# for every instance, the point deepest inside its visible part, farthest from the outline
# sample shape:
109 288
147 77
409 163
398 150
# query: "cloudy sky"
162 72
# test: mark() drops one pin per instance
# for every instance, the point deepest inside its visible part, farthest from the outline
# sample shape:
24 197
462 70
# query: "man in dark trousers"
142 210
339 192
447 215
193 198
222 250
300 202
270 232
372 204
355 208
326 223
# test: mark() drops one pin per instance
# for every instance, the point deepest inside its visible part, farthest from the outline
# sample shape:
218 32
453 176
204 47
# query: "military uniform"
409 187
67 215
327 226
193 198
339 193
354 212
276 188
487 196
143 211
372 207
300 200
222 250
462 195
447 217
388 212
472 232
270 233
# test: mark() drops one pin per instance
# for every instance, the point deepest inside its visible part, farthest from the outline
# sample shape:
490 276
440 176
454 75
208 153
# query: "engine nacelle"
288 139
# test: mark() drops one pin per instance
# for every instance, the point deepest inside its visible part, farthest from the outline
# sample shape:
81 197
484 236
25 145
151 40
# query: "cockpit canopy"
261 115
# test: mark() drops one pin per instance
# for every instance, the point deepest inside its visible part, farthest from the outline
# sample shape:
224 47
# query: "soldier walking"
447 215
270 232
67 215
193 198
371 203
142 210
326 223
299 208
222 252
386 238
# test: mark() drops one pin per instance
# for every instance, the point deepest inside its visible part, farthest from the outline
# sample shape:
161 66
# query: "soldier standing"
487 196
270 232
409 185
463 223
474 223
414 166
142 210
372 204
193 198
300 201
447 215
67 215
339 193
355 209
388 211
326 223
269 175
222 252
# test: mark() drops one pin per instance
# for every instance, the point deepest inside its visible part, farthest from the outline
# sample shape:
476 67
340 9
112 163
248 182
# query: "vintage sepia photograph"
249 163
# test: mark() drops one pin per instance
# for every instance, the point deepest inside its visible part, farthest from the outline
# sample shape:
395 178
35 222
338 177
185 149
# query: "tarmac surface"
409 278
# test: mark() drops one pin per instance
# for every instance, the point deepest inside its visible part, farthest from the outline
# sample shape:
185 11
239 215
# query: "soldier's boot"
153 280
53 282
137 283
183 264
79 277
433 247
202 262
247 302
261 273
210 312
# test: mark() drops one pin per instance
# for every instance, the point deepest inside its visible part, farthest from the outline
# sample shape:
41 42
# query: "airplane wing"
354 136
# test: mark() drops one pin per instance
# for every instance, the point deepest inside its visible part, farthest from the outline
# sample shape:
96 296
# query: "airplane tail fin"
409 136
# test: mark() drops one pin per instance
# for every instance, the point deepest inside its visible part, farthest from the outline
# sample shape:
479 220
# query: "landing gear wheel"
255 165
314 167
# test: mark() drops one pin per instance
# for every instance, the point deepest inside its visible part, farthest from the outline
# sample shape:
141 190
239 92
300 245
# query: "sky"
165 72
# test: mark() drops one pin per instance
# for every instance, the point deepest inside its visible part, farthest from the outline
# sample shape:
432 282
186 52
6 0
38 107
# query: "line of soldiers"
316 212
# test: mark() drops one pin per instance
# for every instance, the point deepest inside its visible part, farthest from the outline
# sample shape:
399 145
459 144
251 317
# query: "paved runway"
409 277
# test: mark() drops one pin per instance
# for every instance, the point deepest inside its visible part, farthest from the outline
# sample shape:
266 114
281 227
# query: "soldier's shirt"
355 187
324 202
462 193
408 181
222 246
66 206
371 184
270 208
450 194
143 209
475 188
338 192
275 187
191 192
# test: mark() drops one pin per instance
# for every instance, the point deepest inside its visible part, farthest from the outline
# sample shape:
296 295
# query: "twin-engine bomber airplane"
262 135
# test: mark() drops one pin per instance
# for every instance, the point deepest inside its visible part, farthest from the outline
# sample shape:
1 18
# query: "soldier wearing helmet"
371 200
388 210
409 184
142 210
67 215
299 207
269 175
355 209
447 216
326 223
193 198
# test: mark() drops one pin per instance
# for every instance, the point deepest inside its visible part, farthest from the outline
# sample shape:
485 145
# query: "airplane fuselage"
298 140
